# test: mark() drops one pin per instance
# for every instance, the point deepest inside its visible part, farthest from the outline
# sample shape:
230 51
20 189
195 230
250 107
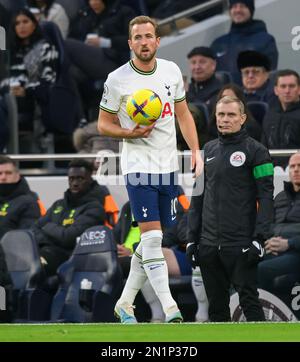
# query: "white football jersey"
158 152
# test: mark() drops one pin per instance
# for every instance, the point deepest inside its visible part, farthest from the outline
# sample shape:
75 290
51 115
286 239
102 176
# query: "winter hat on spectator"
249 3
204 51
251 58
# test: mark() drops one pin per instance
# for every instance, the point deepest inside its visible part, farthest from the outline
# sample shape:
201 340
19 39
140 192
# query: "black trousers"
92 61
222 268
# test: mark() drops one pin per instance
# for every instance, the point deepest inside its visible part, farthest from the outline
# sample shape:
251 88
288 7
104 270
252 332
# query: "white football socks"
200 294
136 277
156 269
157 313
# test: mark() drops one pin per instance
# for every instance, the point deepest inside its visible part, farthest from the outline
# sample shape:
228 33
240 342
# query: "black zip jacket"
112 23
68 218
252 34
205 91
281 129
236 206
287 215
19 207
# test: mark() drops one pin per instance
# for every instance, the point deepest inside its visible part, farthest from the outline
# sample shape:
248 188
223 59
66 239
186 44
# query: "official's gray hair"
230 99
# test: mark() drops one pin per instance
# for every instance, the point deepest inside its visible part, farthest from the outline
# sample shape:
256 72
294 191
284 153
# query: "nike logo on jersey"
245 250
210 158
173 218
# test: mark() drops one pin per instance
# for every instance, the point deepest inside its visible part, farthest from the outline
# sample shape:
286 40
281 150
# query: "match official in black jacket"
230 220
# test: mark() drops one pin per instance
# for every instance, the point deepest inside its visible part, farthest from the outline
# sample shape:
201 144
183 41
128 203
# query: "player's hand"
141 132
197 163
255 253
192 254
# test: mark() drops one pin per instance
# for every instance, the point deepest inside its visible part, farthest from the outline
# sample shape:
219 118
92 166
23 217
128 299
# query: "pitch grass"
185 332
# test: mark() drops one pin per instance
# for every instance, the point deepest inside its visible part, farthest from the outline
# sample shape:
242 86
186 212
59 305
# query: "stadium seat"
203 109
22 258
283 286
23 264
272 76
275 309
12 112
258 110
224 77
94 259
284 283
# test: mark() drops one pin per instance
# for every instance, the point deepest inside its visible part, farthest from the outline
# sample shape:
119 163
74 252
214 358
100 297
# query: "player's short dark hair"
143 19
77 163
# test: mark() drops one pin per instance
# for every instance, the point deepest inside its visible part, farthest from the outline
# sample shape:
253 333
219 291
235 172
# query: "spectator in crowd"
203 88
99 42
204 85
33 68
255 69
19 206
97 36
227 228
283 248
88 140
19 209
252 127
50 10
67 218
281 125
245 34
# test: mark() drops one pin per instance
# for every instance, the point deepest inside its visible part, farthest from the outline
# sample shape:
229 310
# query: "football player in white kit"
149 158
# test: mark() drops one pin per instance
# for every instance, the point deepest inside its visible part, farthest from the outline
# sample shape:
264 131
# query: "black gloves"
255 253
192 254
